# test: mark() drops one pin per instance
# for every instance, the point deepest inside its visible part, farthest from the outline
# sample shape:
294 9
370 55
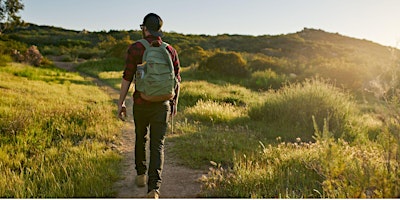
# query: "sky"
373 20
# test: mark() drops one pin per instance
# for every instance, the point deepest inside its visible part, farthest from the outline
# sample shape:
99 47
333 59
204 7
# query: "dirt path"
178 181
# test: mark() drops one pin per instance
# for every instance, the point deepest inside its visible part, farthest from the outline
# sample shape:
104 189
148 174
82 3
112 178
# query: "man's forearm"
124 91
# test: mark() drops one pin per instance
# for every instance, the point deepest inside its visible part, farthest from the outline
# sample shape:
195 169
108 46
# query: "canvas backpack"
155 77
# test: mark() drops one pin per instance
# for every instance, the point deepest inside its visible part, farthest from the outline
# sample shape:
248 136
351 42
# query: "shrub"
294 106
119 49
226 63
266 79
192 55
33 56
4 59
113 47
264 63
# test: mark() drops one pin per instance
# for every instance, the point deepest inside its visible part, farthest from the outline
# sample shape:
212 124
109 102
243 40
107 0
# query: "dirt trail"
178 181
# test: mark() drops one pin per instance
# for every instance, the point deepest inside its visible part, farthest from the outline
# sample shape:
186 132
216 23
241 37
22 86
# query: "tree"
9 13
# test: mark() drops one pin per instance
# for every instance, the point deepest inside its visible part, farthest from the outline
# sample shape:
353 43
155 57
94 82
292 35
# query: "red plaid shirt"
134 57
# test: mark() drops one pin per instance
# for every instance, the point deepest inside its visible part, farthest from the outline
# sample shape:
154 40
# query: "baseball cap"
153 23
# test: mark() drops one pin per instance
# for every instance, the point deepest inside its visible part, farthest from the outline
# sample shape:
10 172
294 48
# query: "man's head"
153 23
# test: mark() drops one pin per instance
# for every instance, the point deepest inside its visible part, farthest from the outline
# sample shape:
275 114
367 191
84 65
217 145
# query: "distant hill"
350 62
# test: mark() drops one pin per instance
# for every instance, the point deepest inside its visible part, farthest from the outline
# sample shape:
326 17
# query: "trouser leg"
158 129
141 129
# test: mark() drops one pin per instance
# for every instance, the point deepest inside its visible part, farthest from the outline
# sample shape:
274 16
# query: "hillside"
307 114
350 62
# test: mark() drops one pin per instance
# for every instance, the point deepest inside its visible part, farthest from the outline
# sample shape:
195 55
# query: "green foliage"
7 45
199 144
193 91
221 118
295 104
9 13
4 59
325 169
116 48
108 69
261 62
214 112
226 63
278 171
264 80
56 136
192 55
95 67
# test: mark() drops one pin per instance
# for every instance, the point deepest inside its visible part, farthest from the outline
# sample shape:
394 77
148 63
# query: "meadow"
305 140
303 115
58 135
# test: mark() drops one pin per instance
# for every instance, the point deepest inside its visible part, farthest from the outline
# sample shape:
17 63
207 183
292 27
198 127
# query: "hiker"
149 113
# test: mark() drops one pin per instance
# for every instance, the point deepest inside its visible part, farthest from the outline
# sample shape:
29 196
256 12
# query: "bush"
294 106
4 59
226 63
192 55
264 63
115 48
266 79
33 56
119 49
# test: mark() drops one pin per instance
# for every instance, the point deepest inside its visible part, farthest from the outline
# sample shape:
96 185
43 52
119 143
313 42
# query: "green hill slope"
305 114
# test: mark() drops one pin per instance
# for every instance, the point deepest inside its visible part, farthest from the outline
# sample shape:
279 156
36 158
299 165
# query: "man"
146 114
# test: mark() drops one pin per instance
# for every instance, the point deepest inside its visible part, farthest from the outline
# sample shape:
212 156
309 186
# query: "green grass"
109 70
57 132
322 169
295 104
257 143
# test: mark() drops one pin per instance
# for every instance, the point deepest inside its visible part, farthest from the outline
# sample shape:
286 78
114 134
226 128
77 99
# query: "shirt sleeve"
175 62
133 58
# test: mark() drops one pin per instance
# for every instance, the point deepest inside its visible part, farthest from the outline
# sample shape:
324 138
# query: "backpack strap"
145 43
164 46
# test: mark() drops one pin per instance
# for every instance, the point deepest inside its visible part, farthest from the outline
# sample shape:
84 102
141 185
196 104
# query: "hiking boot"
153 194
141 180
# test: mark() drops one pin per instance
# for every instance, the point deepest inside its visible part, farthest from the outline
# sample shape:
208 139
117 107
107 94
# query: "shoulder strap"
164 46
145 43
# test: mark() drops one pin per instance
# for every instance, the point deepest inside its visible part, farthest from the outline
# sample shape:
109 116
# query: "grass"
109 70
57 135
304 140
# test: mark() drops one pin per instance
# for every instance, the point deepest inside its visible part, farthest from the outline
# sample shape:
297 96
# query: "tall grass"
57 135
230 127
324 169
214 112
295 104
192 91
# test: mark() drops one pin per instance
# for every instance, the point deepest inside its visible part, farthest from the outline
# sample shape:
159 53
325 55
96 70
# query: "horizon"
371 20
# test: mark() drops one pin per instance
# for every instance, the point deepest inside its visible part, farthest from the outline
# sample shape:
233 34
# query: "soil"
178 181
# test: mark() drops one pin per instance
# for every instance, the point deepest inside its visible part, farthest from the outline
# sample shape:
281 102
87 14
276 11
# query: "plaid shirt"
134 57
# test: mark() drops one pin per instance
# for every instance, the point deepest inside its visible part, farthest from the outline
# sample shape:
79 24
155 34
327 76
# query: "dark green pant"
154 117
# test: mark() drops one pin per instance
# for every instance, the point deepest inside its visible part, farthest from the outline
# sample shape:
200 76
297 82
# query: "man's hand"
122 112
